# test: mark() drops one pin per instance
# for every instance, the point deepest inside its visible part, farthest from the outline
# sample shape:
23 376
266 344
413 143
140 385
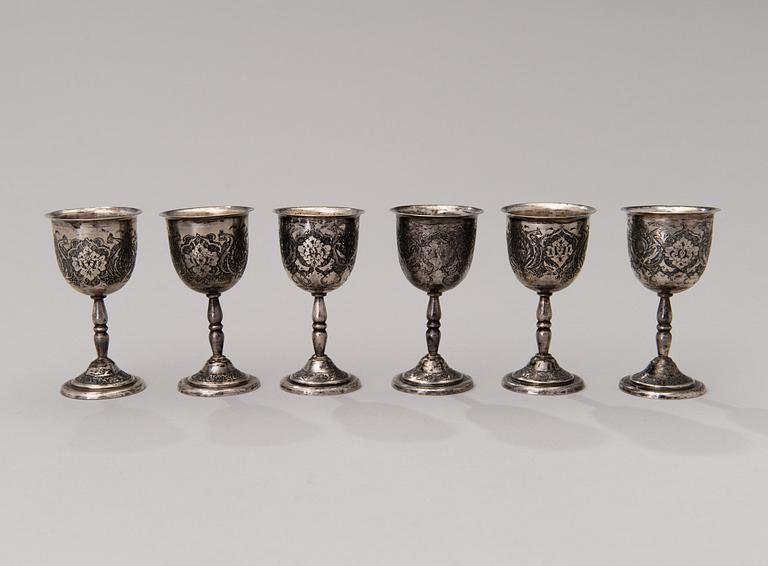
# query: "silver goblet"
435 245
318 245
547 243
668 250
96 252
209 249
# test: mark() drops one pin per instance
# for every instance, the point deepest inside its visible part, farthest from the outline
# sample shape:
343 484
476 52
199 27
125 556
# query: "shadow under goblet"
668 250
435 244
96 252
209 249
318 245
547 243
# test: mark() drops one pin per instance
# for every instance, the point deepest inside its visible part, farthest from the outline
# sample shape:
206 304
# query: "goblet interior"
669 245
209 245
318 245
95 247
435 244
547 243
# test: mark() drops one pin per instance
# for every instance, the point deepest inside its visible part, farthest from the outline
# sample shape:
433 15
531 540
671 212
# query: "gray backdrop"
168 104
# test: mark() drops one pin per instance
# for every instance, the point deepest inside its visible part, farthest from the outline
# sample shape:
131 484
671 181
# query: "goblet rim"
315 211
94 213
548 211
204 212
671 210
437 211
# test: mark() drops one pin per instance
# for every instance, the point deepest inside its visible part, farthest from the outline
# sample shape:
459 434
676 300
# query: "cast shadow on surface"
245 424
752 419
526 428
390 423
664 432
118 429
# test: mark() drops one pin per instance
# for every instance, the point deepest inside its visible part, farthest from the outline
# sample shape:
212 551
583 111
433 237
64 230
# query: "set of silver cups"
547 242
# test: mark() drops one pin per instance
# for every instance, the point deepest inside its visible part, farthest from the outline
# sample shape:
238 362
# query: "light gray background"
168 104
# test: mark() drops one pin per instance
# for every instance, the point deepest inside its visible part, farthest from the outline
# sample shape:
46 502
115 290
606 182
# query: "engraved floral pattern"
681 253
559 251
669 254
95 263
210 261
546 256
318 254
202 257
90 262
435 256
314 253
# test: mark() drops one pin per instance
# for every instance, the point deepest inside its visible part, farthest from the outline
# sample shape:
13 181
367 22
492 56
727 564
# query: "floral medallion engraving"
318 255
89 263
211 261
669 254
548 255
435 256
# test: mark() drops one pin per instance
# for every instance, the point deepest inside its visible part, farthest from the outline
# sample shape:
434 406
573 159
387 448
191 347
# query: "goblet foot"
320 376
662 380
542 376
218 378
102 380
432 376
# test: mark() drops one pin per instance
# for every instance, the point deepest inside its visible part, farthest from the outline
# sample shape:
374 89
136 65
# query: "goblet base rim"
352 384
320 376
218 378
542 376
188 386
73 389
662 380
405 385
432 376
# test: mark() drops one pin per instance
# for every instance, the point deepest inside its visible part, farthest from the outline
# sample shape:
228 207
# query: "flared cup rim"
94 213
671 210
548 210
437 210
313 211
203 212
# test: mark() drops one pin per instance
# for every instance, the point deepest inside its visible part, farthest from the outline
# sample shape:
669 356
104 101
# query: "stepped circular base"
320 376
542 376
662 380
75 390
432 376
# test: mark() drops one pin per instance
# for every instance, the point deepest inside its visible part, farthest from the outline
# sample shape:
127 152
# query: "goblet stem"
100 336
215 328
433 323
319 316
664 325
544 323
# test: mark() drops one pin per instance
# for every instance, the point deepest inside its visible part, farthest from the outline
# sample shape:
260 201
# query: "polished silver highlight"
318 246
668 250
547 243
435 244
209 249
96 252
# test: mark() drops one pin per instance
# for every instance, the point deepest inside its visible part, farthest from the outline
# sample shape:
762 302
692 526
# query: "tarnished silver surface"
435 244
96 252
668 251
209 249
318 245
547 243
